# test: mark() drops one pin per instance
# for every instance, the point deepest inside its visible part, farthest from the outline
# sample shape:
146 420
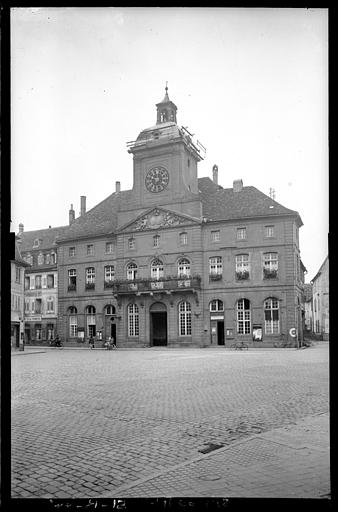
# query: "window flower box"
270 273
215 277
90 286
109 284
242 275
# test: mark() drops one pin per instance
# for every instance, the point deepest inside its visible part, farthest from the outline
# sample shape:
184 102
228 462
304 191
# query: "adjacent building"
175 261
320 301
18 267
39 250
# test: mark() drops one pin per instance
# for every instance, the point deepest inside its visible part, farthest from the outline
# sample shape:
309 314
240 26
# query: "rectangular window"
215 267
90 249
269 231
44 281
27 281
183 238
32 282
73 326
109 273
38 332
270 265
241 233
37 282
50 331
26 306
133 321
50 281
90 278
72 279
38 306
109 247
156 240
17 274
72 251
50 305
215 236
131 243
185 319
242 266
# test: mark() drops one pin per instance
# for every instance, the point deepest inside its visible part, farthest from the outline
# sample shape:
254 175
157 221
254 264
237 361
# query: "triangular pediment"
158 218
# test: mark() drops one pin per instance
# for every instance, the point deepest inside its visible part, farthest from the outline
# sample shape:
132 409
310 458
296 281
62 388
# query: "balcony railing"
148 286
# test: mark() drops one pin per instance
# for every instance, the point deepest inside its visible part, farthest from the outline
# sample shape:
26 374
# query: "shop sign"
33 294
217 317
33 318
257 333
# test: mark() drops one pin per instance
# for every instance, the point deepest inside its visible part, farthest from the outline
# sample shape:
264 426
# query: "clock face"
157 179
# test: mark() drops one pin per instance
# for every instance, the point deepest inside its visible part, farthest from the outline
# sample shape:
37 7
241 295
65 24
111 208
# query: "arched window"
91 321
72 322
157 269
216 305
184 268
271 316
243 317
109 310
133 320
184 309
131 271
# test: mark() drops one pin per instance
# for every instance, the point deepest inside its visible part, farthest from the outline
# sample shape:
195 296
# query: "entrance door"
158 325
158 328
113 332
220 333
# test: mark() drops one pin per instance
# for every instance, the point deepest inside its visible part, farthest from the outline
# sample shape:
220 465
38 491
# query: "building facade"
179 260
38 248
320 301
18 268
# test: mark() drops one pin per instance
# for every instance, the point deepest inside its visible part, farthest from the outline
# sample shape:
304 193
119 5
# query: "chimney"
83 205
117 186
20 228
215 174
71 215
238 185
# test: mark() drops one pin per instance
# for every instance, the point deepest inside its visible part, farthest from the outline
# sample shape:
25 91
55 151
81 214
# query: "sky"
250 83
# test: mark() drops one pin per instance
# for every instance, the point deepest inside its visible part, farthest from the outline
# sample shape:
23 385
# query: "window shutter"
55 280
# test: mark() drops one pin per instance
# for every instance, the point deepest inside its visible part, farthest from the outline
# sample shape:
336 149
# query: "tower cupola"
166 109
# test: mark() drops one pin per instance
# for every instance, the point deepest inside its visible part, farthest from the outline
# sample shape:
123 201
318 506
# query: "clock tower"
164 167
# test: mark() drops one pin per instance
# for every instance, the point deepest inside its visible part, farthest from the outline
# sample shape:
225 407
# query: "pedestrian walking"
91 342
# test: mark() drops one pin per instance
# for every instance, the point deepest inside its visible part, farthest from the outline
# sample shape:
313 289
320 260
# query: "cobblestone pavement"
86 423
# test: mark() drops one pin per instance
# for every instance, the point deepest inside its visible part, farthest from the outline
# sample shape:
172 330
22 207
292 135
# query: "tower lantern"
166 109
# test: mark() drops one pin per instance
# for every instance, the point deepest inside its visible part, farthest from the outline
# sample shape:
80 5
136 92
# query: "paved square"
85 423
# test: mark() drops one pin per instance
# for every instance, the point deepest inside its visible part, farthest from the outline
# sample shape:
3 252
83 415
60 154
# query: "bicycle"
240 345
283 344
56 343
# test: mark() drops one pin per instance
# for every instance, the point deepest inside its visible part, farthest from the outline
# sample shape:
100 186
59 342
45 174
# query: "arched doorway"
158 325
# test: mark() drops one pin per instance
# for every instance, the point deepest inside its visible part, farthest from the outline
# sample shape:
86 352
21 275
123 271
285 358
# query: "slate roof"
218 204
224 204
47 237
